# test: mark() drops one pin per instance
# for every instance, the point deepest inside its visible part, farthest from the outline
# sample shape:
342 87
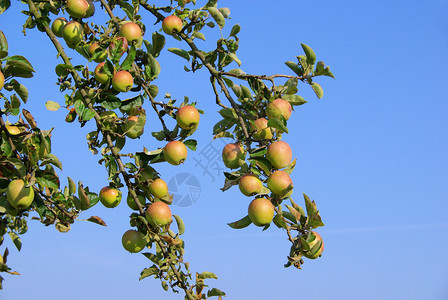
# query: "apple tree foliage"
242 98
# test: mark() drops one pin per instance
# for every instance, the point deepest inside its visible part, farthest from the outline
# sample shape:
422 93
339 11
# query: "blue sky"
372 153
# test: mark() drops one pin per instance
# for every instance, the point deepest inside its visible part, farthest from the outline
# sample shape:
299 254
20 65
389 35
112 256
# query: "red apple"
175 152
279 154
77 8
158 188
110 197
233 155
172 24
57 26
131 32
18 195
122 81
187 117
277 108
250 185
280 183
261 211
133 241
158 214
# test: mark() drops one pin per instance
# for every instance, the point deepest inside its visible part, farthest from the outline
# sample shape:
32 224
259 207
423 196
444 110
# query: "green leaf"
158 42
235 30
244 222
71 186
322 70
63 70
16 240
3 41
191 144
311 207
51 159
97 220
20 62
52 106
199 35
294 100
47 179
153 270
132 103
87 114
290 86
258 152
235 58
279 222
289 168
297 215
317 89
278 124
295 68
182 53
223 125
20 89
180 224
205 275
85 201
217 16
228 113
127 63
215 292
18 164
310 55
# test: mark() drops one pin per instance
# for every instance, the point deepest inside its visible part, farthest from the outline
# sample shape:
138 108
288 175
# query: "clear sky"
373 153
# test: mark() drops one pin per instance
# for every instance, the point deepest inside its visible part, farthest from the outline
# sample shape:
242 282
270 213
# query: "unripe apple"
280 183
187 117
57 26
2 80
250 185
122 81
279 154
133 241
91 50
261 211
131 203
175 152
18 195
72 33
277 108
158 214
172 24
131 32
90 10
316 246
233 155
77 8
131 128
100 75
158 188
262 131
110 197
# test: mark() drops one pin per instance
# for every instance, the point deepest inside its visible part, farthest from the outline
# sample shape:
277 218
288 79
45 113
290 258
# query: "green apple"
131 32
91 50
262 131
250 185
110 197
122 81
278 108
72 33
279 154
158 214
18 195
187 117
57 26
316 244
261 211
77 8
132 128
280 183
100 75
233 155
175 152
133 241
158 188
2 80
131 203
172 24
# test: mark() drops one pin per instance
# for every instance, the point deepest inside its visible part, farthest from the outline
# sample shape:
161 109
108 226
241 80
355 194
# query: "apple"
57 26
175 152
158 214
100 75
72 33
132 129
187 117
91 50
131 32
133 241
131 203
2 80
316 246
277 108
110 197
158 188
18 195
90 10
121 43
122 81
279 154
233 155
250 185
261 211
280 183
77 8
172 24
262 131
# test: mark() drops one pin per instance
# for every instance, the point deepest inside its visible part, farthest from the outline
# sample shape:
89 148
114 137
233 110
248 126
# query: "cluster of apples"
261 210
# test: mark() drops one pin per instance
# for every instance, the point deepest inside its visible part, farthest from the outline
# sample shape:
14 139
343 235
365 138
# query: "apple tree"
113 89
